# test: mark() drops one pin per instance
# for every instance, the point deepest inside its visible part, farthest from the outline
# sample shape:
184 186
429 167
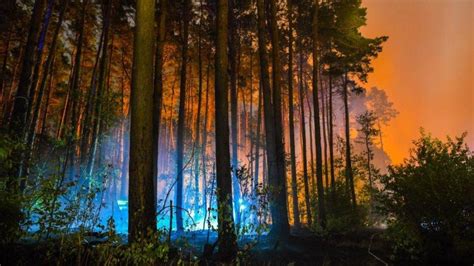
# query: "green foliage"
11 202
341 215
146 251
431 198
253 217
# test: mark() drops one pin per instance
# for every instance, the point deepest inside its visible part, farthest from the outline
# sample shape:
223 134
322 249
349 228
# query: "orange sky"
426 67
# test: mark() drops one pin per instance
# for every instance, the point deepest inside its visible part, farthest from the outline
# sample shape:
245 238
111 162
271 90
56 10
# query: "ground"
301 248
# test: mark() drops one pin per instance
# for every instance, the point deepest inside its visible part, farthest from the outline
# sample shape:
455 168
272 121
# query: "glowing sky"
426 67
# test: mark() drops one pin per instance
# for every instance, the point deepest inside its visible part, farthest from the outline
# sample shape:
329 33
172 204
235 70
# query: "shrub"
431 196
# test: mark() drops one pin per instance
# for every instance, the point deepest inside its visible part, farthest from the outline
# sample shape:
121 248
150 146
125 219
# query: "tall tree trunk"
158 87
75 94
197 128
234 41
369 156
257 141
317 125
278 204
21 103
331 142
379 126
311 146
349 174
49 92
310 124
4 67
142 208
294 183
101 86
47 69
204 138
227 240
39 59
89 108
303 137
325 139
181 118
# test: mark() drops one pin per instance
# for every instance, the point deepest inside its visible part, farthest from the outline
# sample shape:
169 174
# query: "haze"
426 68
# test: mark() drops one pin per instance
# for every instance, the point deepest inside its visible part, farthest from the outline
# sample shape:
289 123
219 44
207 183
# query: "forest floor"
364 247
301 248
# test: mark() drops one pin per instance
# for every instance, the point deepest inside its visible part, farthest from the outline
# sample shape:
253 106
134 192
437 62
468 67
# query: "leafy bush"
430 197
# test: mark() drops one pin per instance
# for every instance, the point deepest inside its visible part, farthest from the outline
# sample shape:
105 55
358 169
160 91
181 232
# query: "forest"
214 132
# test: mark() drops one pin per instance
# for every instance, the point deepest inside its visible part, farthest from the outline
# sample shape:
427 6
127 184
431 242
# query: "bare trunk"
227 240
96 125
331 142
234 41
158 87
142 208
294 183
349 175
22 102
303 139
181 118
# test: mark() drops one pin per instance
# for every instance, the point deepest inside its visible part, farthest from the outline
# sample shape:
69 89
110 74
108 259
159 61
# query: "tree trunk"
44 78
181 118
325 139
39 61
204 139
317 125
142 208
310 123
257 141
303 138
331 142
349 175
96 125
75 94
276 157
197 128
89 108
227 240
21 103
4 68
234 41
158 87
294 183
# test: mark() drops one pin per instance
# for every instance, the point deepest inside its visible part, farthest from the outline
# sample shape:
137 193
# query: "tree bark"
303 138
294 183
96 125
227 240
44 79
181 118
158 86
39 61
142 208
197 129
234 41
21 103
331 142
273 126
317 125
349 174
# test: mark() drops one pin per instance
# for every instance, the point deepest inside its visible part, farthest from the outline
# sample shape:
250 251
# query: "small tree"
368 132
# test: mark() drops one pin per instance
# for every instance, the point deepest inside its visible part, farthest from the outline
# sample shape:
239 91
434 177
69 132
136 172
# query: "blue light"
122 204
